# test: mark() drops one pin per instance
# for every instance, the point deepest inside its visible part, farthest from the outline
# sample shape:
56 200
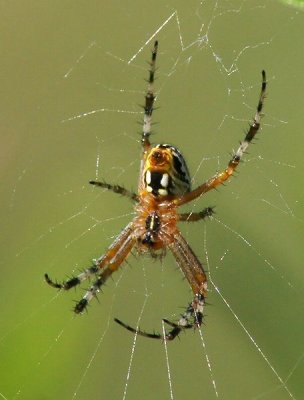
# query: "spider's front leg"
104 267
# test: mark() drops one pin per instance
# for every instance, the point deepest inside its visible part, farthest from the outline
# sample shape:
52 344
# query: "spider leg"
138 331
189 264
105 265
194 313
148 110
74 281
145 137
196 276
168 336
183 323
116 189
149 101
221 177
196 216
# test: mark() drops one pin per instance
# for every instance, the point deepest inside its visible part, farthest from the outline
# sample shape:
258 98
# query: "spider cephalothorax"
164 185
166 172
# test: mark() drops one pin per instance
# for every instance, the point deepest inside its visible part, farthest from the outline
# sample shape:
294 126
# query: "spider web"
72 117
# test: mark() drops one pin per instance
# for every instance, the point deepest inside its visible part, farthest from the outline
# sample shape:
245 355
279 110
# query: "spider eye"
158 157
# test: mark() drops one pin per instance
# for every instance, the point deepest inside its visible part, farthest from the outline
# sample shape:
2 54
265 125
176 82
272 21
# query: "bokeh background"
72 83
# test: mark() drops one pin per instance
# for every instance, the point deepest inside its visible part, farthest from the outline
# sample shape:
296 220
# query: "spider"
164 185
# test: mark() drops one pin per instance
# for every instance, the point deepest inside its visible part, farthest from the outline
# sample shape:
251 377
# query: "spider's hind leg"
191 318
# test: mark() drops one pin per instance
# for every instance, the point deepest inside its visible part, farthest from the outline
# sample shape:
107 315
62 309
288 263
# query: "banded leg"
116 189
221 177
196 276
183 323
75 280
149 101
104 267
148 110
196 216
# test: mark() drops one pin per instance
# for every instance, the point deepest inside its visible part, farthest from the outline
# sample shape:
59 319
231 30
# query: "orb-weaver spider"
164 185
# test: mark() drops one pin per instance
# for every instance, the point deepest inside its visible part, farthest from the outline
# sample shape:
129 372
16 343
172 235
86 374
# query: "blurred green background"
69 113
